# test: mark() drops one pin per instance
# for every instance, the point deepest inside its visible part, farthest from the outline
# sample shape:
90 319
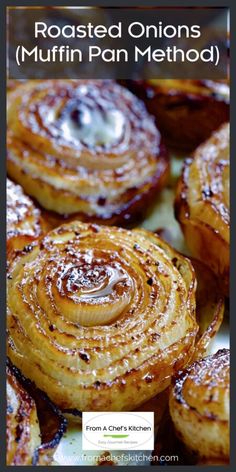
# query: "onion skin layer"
199 407
186 111
103 172
116 364
202 204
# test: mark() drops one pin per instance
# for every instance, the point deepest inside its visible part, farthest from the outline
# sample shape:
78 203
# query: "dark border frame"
108 3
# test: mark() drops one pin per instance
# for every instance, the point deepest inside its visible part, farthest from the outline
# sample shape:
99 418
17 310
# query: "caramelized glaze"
100 317
85 148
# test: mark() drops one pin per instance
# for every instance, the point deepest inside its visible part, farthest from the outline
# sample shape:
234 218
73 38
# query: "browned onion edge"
181 205
193 101
179 379
148 91
131 212
182 209
35 393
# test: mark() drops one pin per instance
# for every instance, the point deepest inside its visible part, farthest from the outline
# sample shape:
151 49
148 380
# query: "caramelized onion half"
100 318
85 148
202 204
186 111
199 406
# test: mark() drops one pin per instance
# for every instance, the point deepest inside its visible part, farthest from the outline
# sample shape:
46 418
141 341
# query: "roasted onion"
199 406
210 308
85 148
100 318
202 204
186 111
24 221
34 424
23 433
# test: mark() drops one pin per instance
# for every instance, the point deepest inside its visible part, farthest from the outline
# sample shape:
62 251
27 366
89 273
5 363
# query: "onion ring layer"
100 318
85 148
199 406
202 204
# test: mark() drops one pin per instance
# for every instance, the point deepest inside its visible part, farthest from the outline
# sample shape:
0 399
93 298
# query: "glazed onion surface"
199 406
23 434
24 222
85 148
202 204
101 317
